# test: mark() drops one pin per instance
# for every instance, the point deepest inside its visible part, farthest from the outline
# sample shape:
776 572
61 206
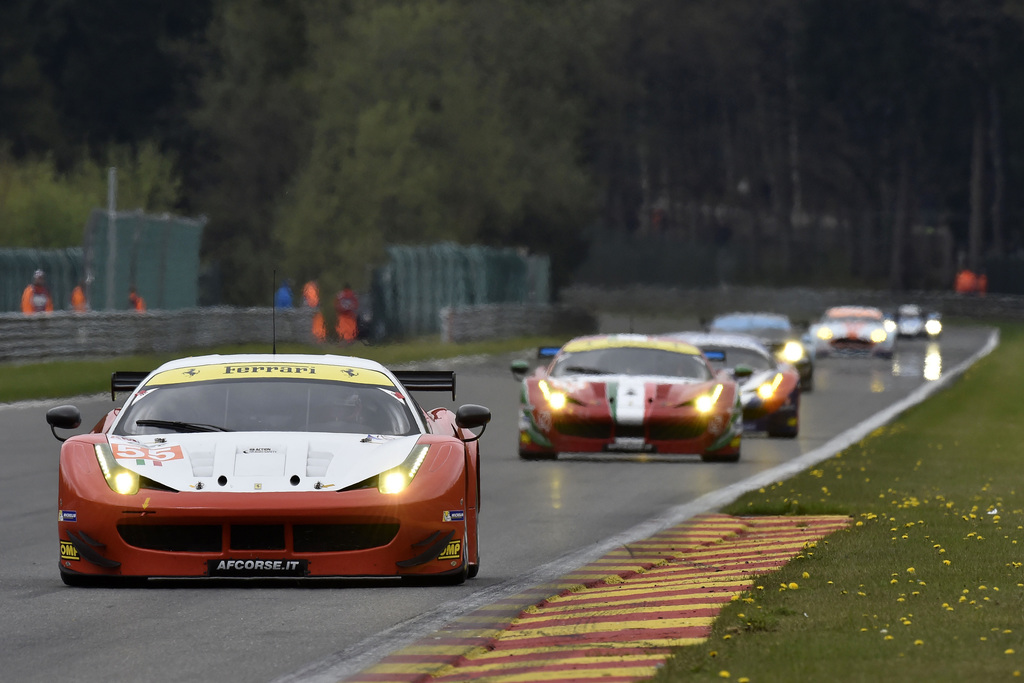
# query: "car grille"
587 429
306 538
851 345
678 429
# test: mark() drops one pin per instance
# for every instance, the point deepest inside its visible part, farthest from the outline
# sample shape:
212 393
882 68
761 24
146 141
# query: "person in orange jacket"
311 297
36 297
136 301
966 282
79 304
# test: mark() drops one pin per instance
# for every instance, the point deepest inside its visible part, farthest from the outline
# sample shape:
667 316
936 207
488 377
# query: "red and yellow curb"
617 618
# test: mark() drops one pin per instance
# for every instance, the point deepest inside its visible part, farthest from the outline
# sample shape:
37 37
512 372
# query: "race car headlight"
824 333
706 403
878 336
766 390
119 479
397 479
890 325
556 399
933 327
792 352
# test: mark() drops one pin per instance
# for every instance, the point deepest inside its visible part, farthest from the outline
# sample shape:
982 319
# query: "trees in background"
313 133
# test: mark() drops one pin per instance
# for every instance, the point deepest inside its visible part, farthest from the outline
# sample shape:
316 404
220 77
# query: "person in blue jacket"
283 296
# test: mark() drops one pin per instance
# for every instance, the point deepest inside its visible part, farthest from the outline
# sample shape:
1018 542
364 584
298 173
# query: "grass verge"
927 584
63 379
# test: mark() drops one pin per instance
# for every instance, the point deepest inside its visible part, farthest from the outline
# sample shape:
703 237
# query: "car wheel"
785 431
721 457
807 384
533 455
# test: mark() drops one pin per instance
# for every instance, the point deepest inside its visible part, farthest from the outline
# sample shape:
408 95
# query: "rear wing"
427 380
125 380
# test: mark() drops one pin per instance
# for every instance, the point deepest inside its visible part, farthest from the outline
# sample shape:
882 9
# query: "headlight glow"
933 327
824 333
398 478
766 390
556 399
792 352
878 336
119 479
890 325
706 403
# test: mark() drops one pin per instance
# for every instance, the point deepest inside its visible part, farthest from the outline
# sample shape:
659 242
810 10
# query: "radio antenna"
273 315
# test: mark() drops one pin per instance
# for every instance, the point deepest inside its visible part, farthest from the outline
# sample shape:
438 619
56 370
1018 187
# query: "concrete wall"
68 335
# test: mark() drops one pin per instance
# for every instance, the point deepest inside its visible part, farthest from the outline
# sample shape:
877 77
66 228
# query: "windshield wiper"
182 426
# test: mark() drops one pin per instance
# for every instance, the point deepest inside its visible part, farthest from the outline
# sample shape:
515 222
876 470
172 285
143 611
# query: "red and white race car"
628 392
270 466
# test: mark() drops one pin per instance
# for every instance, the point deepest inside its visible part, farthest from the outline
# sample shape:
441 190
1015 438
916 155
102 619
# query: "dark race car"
778 334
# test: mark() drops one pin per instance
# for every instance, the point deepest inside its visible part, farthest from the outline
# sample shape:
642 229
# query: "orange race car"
628 392
270 466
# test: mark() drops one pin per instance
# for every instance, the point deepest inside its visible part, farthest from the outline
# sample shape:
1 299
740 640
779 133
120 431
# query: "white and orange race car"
853 330
270 466
628 393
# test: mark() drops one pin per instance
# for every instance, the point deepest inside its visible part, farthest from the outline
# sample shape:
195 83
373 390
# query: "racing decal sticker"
68 552
67 516
221 371
254 567
631 341
142 454
452 551
453 515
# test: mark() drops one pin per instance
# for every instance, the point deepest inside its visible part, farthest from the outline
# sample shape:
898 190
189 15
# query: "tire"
807 385
719 457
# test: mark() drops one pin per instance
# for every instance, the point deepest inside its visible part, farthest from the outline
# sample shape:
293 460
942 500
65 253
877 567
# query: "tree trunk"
976 223
995 135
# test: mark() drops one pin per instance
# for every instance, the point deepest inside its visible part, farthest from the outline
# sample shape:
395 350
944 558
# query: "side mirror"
471 416
742 371
519 369
63 417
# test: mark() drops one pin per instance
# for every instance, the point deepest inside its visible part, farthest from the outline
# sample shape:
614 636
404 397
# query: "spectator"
346 305
136 301
79 304
982 284
283 297
36 297
966 282
311 297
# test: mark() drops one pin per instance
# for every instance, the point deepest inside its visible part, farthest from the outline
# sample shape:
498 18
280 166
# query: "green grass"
75 378
927 584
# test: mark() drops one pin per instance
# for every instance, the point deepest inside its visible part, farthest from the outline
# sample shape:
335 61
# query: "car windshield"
751 323
273 404
631 361
738 355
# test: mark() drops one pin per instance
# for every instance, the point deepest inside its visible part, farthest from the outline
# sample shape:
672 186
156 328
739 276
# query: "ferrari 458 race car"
853 330
628 393
270 466
912 321
769 389
778 334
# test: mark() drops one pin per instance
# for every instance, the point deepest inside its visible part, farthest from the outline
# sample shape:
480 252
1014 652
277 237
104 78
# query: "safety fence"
409 292
64 268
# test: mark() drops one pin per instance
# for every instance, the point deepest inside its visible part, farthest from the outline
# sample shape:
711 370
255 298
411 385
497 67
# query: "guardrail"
799 304
68 335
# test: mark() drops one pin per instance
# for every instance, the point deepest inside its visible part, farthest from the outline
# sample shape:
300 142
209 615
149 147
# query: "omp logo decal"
452 552
68 552
67 516
127 451
453 515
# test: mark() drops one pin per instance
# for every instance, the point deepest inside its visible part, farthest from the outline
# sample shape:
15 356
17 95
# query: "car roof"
708 339
754 319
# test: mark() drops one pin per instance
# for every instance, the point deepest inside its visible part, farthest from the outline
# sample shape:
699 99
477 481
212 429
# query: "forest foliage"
314 133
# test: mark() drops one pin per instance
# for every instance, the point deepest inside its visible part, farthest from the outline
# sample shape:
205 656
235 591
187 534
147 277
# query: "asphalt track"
540 523
658 585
